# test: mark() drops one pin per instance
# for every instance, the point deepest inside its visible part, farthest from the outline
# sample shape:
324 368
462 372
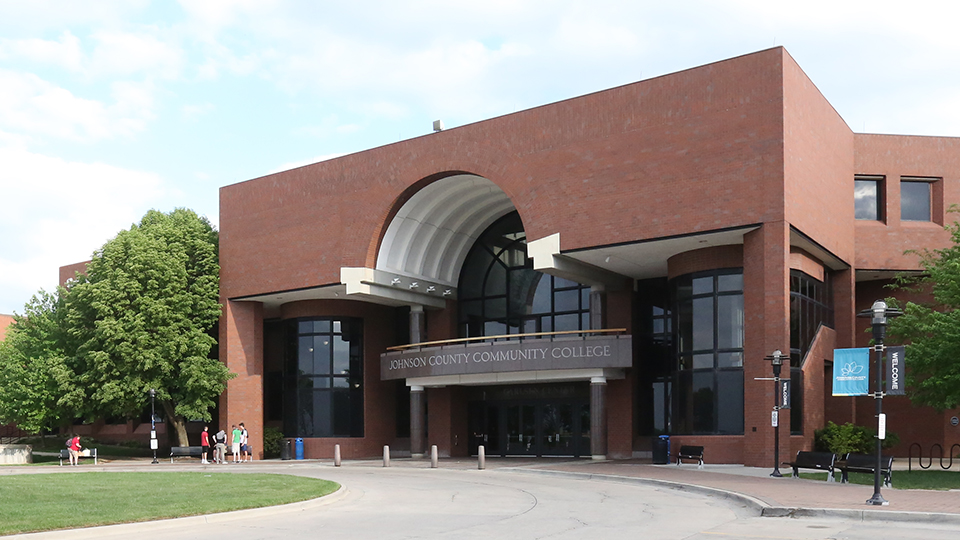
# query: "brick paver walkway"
786 492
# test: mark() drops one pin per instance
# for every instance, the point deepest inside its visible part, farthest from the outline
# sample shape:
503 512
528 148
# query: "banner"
784 394
851 372
895 382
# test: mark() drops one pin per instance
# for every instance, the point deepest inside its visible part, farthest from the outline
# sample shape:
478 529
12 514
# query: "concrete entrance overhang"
517 377
604 265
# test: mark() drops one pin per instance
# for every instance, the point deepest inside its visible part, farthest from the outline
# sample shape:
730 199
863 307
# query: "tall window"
324 379
868 204
709 376
500 292
915 200
811 305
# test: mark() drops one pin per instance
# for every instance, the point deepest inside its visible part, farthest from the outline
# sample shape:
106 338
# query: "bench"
86 452
865 463
820 461
185 451
691 452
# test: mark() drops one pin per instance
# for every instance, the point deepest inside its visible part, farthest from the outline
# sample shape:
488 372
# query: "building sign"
895 358
505 356
851 369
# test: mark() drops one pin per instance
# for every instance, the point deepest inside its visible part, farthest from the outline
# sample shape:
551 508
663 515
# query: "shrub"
272 437
850 438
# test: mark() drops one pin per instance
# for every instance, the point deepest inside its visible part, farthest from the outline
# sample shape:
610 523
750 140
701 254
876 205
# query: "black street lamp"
777 360
879 313
153 425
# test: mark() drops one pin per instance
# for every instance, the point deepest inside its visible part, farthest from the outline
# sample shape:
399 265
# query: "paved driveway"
415 503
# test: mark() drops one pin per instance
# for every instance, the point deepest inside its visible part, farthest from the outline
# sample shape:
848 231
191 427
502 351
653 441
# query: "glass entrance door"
530 427
521 435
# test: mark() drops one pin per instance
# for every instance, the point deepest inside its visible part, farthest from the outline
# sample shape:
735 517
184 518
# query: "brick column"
241 349
766 298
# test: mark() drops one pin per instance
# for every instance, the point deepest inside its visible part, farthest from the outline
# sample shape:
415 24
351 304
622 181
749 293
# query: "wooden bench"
820 461
86 452
185 451
865 463
691 452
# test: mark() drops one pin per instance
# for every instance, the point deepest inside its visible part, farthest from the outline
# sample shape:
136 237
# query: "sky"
111 108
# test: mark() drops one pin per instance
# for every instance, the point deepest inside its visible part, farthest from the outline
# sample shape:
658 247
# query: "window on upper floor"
915 199
867 196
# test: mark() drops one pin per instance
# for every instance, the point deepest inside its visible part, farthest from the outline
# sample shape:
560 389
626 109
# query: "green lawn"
940 480
40 502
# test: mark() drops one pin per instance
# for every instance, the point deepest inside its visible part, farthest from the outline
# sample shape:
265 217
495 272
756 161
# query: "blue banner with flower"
851 372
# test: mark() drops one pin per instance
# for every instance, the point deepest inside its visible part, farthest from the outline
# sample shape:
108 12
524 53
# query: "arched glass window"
500 292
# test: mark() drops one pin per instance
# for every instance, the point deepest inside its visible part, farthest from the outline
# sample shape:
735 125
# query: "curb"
123 529
747 501
761 508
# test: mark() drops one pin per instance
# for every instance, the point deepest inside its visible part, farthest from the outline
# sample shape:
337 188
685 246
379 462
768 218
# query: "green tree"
142 317
932 330
39 389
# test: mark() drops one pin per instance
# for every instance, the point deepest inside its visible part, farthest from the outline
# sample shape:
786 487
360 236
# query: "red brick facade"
737 164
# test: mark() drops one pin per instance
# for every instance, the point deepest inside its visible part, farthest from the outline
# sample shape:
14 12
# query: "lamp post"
776 359
879 313
153 425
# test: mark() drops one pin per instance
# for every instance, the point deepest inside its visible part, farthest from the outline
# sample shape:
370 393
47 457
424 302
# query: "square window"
867 200
914 200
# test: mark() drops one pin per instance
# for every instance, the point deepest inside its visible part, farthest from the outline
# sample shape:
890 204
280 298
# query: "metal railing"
930 456
504 336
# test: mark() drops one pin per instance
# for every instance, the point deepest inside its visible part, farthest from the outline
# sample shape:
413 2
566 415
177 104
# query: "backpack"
69 442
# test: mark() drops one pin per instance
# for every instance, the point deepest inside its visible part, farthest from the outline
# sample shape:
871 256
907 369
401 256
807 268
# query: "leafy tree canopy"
140 318
38 386
932 330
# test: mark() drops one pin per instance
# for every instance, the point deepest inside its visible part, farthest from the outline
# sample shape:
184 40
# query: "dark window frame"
304 383
930 184
879 182
687 416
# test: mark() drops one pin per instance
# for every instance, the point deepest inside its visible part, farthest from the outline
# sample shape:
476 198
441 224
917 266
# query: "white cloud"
128 53
31 105
66 52
56 212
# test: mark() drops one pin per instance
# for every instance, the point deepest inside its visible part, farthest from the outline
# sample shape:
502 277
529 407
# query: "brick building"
658 240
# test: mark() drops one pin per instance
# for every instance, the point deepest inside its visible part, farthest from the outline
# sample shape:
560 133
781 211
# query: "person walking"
235 443
205 444
75 450
244 443
220 453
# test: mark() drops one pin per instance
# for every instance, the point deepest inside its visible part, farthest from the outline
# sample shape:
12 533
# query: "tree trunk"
176 425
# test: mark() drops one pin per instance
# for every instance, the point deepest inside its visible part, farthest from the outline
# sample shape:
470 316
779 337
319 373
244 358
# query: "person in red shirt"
205 444
75 450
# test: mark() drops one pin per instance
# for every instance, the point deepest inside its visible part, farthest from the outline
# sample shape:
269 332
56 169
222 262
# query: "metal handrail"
505 336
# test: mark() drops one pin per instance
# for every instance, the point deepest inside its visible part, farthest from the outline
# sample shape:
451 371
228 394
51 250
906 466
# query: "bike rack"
930 457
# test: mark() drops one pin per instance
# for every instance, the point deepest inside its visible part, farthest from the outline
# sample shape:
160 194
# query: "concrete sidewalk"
783 496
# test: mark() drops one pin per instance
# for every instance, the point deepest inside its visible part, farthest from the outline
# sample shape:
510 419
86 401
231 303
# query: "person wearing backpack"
73 443
220 454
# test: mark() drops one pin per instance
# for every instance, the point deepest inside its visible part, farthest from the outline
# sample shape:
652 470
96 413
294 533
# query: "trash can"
286 450
661 450
299 446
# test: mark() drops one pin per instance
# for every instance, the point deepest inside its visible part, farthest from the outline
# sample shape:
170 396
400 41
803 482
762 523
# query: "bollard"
336 455
386 456
433 457
481 458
